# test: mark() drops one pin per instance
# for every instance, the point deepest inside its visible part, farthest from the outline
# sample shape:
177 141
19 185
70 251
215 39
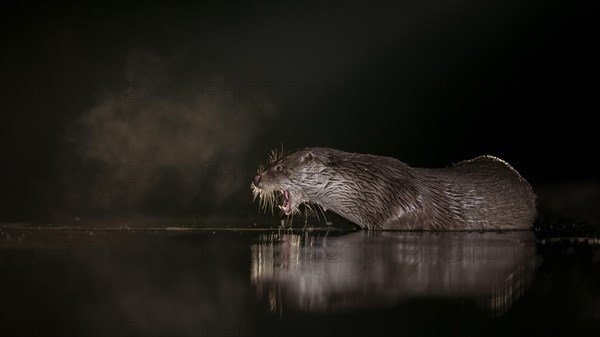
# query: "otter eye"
278 168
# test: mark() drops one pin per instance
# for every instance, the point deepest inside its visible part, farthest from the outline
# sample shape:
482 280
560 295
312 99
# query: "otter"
383 193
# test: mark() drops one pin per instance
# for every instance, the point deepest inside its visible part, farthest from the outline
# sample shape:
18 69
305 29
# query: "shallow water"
176 281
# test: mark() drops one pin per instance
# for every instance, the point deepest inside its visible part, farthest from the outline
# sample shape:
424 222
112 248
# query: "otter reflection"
366 269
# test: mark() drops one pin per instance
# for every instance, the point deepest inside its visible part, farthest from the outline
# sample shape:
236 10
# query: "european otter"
382 193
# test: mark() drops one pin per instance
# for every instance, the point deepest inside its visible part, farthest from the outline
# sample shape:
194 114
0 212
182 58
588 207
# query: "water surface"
175 281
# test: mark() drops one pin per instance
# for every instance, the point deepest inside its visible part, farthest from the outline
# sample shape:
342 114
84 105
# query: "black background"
113 110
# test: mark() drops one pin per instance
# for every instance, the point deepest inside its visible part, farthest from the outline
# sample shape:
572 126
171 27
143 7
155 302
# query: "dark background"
164 110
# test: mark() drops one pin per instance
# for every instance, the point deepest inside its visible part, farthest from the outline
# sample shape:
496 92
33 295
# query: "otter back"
484 193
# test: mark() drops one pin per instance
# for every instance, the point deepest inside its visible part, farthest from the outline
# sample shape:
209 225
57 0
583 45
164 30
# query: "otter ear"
311 157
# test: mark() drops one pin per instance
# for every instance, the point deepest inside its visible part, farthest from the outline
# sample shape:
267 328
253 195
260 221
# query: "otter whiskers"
267 199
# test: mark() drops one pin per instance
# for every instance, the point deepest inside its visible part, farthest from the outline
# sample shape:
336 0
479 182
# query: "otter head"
290 180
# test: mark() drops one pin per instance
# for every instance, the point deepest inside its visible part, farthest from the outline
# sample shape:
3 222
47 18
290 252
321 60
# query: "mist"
183 145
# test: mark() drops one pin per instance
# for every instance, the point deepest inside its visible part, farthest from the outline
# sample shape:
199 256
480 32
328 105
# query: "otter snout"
257 180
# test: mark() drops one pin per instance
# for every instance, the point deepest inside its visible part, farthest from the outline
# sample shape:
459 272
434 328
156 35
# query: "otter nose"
257 179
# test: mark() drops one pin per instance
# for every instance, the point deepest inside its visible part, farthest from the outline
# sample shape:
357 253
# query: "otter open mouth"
286 206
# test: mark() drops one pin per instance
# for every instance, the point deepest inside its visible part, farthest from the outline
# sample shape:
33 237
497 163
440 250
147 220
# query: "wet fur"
382 193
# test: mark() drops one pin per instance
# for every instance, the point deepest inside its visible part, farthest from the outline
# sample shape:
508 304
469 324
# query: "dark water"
283 282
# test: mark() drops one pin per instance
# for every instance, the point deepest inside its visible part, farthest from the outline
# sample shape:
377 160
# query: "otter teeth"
287 205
